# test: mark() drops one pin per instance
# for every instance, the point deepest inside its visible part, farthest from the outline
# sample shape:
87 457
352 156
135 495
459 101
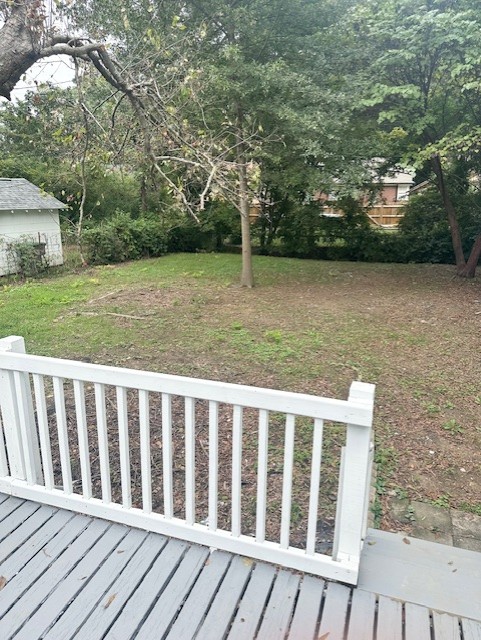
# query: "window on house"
403 191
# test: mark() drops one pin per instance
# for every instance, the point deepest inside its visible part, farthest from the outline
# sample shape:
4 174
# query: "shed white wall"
41 225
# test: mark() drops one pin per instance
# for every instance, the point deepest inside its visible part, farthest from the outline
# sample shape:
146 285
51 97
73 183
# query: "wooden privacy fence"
67 425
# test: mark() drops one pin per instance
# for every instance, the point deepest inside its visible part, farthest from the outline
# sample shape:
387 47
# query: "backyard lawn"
308 326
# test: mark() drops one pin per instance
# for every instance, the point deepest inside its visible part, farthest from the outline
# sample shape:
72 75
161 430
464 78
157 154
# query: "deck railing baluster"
314 488
123 423
213 463
11 393
103 443
287 481
83 440
4 470
190 460
146 471
45 446
63 444
167 455
236 470
262 476
11 426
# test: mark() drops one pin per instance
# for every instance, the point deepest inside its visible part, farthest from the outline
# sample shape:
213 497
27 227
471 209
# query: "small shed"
28 213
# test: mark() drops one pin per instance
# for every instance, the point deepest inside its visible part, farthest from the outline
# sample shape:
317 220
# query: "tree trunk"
247 275
469 270
143 193
452 217
18 48
83 160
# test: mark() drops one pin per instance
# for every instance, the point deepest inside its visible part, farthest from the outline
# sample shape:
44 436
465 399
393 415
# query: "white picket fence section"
27 467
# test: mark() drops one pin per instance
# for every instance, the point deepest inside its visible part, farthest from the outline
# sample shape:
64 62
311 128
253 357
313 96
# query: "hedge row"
123 238
423 234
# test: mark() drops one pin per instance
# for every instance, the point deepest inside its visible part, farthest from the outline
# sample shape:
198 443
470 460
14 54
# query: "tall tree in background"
219 89
425 81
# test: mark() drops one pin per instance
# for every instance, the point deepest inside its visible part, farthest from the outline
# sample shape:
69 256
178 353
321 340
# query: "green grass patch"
308 326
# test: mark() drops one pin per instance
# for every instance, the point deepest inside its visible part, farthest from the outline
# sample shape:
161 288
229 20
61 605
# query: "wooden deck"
65 575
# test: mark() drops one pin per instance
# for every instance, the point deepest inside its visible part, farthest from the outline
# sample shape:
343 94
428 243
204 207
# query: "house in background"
387 210
27 212
393 194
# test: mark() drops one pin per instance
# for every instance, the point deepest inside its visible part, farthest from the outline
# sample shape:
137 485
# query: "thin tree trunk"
247 275
143 193
83 158
452 217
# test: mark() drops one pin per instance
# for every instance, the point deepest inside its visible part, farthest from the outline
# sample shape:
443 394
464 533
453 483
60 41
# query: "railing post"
354 481
16 405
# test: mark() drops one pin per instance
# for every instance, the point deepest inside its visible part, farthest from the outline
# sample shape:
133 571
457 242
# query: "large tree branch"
167 139
80 51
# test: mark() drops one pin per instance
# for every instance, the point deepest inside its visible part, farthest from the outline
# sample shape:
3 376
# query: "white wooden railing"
67 427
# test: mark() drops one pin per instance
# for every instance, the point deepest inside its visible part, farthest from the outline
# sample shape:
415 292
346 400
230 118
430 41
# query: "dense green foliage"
298 94
122 237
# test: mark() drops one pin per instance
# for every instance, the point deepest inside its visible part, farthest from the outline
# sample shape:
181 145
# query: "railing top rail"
356 411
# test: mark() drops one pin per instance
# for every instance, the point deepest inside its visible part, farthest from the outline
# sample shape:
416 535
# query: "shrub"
299 230
425 230
190 237
27 257
123 238
217 224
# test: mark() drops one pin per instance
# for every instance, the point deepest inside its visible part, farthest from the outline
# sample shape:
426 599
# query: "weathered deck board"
53 605
69 576
308 608
15 552
27 529
164 610
78 611
427 573
334 615
201 596
123 591
16 518
9 507
280 606
417 621
362 618
37 558
389 618
218 619
50 579
249 614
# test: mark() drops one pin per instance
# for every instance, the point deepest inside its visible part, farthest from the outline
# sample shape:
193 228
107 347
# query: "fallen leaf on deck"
110 600
3 582
406 541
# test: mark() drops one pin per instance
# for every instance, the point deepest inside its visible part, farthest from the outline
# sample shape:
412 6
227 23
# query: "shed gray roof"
18 193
